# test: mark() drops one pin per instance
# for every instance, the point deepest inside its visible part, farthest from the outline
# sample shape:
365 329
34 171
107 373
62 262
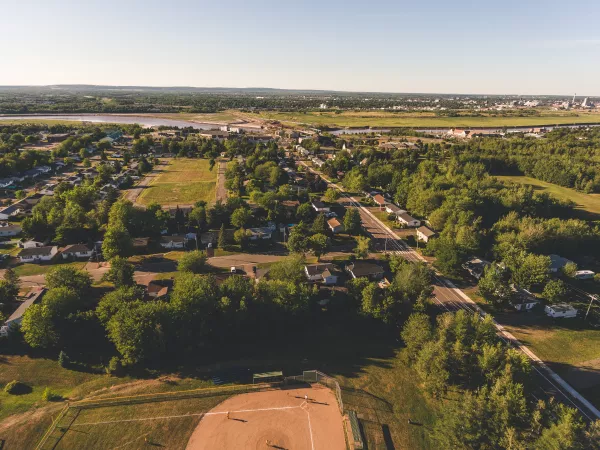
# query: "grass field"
181 182
585 202
24 270
425 120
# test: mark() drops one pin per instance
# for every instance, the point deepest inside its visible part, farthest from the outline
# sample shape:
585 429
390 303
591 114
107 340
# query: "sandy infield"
268 420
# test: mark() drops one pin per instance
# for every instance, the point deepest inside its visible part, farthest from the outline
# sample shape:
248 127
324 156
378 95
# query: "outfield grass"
425 120
24 270
585 202
182 182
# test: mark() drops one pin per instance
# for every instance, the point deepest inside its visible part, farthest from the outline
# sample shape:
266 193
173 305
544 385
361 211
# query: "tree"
570 269
198 215
240 217
117 242
492 286
363 247
194 261
120 273
289 269
533 270
110 304
352 221
319 225
448 255
416 332
331 195
298 239
38 328
305 212
554 291
13 280
319 243
222 242
68 277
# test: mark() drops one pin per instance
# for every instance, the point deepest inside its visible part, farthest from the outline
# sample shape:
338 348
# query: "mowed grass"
25 270
182 182
422 120
586 202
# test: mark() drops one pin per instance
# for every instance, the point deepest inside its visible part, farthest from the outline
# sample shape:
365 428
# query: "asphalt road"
450 298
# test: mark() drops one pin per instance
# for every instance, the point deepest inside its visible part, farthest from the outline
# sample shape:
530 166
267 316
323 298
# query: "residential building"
476 267
335 226
522 299
379 200
390 208
580 274
38 254
76 251
408 221
369 270
34 296
214 134
424 234
159 288
172 241
9 230
557 262
261 233
323 273
319 206
560 310
140 243
29 243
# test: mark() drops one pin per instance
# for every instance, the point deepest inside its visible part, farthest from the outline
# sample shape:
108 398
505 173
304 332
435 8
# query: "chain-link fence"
314 376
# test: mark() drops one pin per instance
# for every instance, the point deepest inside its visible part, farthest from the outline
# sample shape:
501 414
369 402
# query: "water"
125 119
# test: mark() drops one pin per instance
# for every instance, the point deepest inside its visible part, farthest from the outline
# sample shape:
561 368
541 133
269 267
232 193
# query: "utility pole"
592 298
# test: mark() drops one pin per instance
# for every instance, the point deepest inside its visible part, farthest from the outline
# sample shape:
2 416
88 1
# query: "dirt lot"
273 419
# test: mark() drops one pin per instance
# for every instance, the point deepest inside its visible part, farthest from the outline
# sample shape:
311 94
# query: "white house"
172 241
522 299
319 206
324 273
560 310
9 230
15 318
29 244
11 211
390 208
76 251
408 220
38 254
580 274
334 225
424 234
261 233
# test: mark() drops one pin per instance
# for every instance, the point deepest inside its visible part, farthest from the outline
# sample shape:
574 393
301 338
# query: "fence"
314 376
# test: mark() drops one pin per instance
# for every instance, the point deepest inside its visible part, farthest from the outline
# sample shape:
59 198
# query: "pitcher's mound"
298 419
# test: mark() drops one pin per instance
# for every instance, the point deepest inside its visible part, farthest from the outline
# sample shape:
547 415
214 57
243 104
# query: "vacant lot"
181 182
589 203
424 120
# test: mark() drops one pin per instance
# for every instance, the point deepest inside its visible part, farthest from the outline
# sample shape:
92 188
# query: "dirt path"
221 190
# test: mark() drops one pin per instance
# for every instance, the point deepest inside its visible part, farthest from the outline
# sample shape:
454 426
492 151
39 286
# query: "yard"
182 182
586 203
25 270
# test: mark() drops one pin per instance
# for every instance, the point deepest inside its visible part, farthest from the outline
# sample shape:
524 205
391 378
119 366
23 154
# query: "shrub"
49 396
15 387
114 366
63 359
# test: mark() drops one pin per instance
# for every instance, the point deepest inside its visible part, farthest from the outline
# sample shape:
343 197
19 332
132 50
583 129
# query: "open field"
424 120
585 202
181 182
27 269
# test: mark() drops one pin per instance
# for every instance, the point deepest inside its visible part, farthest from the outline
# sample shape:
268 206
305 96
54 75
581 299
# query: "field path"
221 190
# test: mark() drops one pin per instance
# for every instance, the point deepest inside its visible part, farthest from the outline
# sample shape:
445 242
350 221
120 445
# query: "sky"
439 46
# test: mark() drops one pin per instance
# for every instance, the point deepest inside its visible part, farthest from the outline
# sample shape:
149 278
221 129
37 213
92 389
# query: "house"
214 134
260 233
9 230
379 200
11 211
369 270
424 234
159 288
408 220
458 133
324 273
319 206
390 208
580 274
173 241
557 262
318 162
335 226
38 254
364 162
476 267
560 310
29 244
34 296
76 251
522 299
140 243
384 283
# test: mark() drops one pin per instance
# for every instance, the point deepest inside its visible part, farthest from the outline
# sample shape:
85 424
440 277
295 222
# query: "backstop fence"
314 376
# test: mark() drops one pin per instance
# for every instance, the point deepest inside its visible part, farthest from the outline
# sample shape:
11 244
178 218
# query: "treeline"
567 157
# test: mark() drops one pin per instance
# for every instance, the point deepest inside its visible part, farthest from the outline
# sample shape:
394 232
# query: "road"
450 298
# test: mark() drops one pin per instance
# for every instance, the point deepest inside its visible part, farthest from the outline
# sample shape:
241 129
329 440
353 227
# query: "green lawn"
24 270
585 202
424 120
182 182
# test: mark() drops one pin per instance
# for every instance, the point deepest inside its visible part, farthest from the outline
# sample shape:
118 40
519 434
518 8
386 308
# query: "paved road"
221 191
451 298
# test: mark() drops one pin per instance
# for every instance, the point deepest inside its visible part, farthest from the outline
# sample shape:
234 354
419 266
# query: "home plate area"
299 419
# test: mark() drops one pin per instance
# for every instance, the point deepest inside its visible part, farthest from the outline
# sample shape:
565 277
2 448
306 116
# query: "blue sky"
495 47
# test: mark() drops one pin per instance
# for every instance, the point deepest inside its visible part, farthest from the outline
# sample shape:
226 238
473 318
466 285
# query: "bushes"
114 366
50 396
16 387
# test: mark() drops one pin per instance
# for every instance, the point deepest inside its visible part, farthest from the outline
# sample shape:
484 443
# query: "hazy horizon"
508 48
